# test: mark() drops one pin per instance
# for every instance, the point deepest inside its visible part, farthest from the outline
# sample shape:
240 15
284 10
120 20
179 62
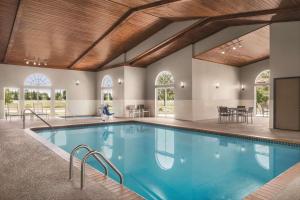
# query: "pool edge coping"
121 191
272 188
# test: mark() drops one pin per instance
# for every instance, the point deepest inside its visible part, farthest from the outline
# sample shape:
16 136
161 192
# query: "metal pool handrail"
92 153
35 114
83 146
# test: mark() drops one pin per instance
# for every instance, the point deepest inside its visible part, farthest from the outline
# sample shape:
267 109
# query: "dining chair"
223 113
250 114
241 113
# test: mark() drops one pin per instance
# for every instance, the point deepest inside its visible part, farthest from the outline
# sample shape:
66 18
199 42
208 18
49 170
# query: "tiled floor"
29 170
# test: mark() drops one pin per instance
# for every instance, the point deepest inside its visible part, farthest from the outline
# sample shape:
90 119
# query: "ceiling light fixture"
36 61
232 45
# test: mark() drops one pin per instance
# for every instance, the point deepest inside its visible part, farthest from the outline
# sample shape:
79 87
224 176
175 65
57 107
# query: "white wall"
180 65
206 97
284 53
80 99
248 75
134 86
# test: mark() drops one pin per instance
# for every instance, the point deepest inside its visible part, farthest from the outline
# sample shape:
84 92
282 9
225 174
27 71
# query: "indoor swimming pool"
160 162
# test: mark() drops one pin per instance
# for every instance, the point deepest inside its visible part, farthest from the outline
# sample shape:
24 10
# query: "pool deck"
29 170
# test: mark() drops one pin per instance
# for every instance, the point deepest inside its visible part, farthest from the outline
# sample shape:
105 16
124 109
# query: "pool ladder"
99 157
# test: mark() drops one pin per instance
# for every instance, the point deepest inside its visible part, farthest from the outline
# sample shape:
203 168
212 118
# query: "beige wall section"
180 65
248 75
158 37
131 91
81 98
284 53
134 86
206 97
118 89
153 40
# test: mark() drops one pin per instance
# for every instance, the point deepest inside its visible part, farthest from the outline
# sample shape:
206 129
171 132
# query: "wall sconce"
182 84
77 82
217 85
243 87
120 81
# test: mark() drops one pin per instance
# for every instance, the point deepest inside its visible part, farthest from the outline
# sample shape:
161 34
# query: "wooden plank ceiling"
86 35
250 48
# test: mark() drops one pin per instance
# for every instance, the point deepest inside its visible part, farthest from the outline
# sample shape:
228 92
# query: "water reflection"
262 155
107 142
164 148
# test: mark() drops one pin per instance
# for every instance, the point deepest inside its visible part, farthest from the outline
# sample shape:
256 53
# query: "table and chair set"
137 110
235 114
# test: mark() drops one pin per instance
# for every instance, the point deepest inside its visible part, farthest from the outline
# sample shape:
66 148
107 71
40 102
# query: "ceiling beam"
218 19
118 23
11 31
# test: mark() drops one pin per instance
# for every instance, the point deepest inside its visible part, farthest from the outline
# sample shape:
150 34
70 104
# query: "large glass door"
165 102
38 99
262 96
60 104
11 99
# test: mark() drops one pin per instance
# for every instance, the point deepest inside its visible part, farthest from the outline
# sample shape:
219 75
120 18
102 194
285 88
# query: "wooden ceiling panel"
207 27
132 31
255 47
8 10
134 3
59 30
207 8
85 35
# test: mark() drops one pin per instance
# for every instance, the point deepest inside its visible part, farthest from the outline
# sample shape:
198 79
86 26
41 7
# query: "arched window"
164 78
107 82
107 91
37 80
263 77
262 93
165 94
37 93
164 148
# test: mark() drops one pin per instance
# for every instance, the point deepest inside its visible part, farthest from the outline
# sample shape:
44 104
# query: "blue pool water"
160 162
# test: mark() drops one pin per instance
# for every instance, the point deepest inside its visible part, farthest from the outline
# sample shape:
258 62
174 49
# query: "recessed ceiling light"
234 48
223 52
